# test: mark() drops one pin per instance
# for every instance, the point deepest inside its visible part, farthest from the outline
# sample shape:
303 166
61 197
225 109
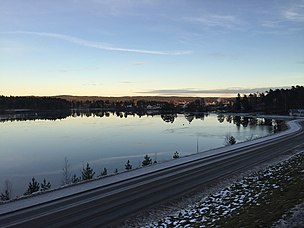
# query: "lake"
35 146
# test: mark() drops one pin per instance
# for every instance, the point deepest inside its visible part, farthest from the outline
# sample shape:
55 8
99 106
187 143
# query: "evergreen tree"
128 165
45 185
232 140
147 161
237 103
176 155
5 196
33 186
229 140
87 173
104 172
75 179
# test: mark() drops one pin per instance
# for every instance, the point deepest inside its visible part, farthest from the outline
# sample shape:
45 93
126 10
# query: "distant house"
296 112
153 107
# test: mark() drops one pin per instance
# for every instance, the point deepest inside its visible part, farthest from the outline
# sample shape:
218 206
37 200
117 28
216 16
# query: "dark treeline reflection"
245 121
25 115
37 115
239 121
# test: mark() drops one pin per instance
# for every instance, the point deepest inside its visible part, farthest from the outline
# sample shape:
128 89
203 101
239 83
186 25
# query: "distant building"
153 107
296 112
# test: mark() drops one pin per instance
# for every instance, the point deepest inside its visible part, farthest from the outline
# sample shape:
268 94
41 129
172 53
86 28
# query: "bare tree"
7 191
66 171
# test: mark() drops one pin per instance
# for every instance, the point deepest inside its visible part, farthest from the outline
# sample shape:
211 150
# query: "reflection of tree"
30 115
189 117
273 126
229 119
252 122
168 118
268 122
245 121
221 118
237 120
200 116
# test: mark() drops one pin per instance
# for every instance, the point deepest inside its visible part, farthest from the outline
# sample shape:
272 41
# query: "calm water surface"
38 148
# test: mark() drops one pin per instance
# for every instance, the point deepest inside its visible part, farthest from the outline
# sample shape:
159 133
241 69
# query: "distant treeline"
52 103
278 101
33 103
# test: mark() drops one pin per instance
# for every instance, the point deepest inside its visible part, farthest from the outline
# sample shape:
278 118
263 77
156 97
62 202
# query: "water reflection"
239 121
107 139
37 115
59 115
273 126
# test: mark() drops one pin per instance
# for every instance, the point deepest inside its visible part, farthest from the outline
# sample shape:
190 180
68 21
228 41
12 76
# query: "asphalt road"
108 205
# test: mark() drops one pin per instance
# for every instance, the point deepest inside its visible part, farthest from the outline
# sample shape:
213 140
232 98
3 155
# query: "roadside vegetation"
67 178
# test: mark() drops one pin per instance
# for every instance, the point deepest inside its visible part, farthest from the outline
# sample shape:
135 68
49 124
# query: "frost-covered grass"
257 200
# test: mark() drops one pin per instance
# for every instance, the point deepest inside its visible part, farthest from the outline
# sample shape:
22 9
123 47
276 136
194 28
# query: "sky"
150 47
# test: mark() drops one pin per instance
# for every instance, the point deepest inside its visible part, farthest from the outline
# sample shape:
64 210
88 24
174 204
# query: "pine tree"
232 140
45 185
147 161
176 155
104 172
75 179
5 196
128 165
33 186
87 173
229 140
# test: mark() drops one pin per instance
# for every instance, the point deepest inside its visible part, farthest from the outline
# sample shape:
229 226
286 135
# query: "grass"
272 204
258 200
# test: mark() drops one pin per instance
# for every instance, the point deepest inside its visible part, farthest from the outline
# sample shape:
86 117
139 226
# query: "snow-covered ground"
250 190
84 186
219 200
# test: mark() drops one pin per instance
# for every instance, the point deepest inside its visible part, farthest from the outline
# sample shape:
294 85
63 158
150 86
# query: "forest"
278 101
33 103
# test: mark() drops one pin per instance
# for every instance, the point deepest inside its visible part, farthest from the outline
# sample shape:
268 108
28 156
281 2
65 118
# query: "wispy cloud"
271 24
128 82
291 12
214 20
295 13
190 91
92 84
139 63
98 45
217 54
